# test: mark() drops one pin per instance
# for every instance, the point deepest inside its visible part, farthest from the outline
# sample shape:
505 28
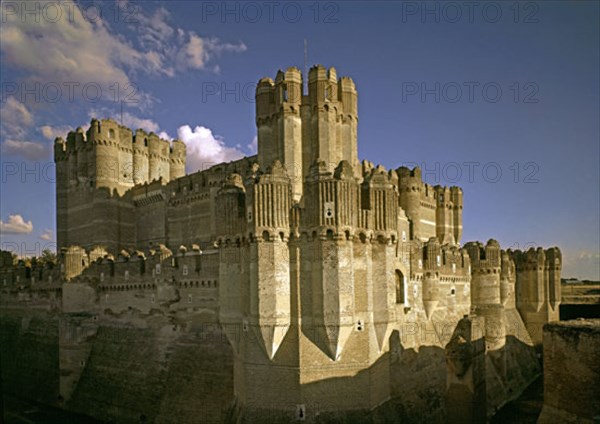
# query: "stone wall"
571 372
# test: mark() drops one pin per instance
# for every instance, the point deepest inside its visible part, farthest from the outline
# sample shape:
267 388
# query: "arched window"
400 287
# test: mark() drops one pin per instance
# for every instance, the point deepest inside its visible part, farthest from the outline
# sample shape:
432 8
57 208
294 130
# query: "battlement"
538 259
111 155
484 259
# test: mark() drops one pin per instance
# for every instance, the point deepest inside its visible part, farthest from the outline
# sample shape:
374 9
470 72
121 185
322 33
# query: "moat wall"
126 369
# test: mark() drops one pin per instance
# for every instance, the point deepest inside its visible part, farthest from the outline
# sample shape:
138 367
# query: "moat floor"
18 412
525 409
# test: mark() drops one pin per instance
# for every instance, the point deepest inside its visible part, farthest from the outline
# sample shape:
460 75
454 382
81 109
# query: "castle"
322 271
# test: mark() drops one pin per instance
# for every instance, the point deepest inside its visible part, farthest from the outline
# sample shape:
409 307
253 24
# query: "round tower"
81 151
348 96
443 215
456 194
154 157
140 157
507 281
410 187
266 133
485 272
106 153
431 292
325 108
71 151
177 159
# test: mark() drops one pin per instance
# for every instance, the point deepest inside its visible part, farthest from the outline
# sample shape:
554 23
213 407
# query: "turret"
485 291
177 159
279 125
485 272
410 186
456 195
140 157
155 152
268 204
538 287
444 215
380 198
507 281
230 208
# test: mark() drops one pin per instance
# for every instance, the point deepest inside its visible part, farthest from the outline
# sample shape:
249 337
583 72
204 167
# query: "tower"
485 290
538 287
95 172
299 129
279 125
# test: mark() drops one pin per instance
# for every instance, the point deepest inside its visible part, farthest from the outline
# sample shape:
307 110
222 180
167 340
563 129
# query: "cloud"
583 264
76 50
51 133
131 121
198 51
205 149
27 149
16 225
71 50
253 146
15 117
47 234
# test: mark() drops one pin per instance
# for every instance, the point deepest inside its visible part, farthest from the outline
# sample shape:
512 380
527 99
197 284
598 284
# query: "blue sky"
502 101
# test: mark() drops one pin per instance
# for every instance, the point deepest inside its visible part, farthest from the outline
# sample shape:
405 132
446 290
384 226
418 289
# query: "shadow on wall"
182 372
417 386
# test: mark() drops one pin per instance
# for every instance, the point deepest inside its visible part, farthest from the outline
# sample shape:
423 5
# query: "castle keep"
342 288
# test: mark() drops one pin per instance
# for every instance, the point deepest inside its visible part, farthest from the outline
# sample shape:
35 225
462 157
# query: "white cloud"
133 122
16 225
51 133
47 234
253 146
165 136
14 118
28 149
79 50
71 50
584 264
205 149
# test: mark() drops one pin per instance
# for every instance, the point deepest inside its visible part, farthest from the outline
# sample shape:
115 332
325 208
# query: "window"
157 269
184 270
111 133
300 412
400 283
